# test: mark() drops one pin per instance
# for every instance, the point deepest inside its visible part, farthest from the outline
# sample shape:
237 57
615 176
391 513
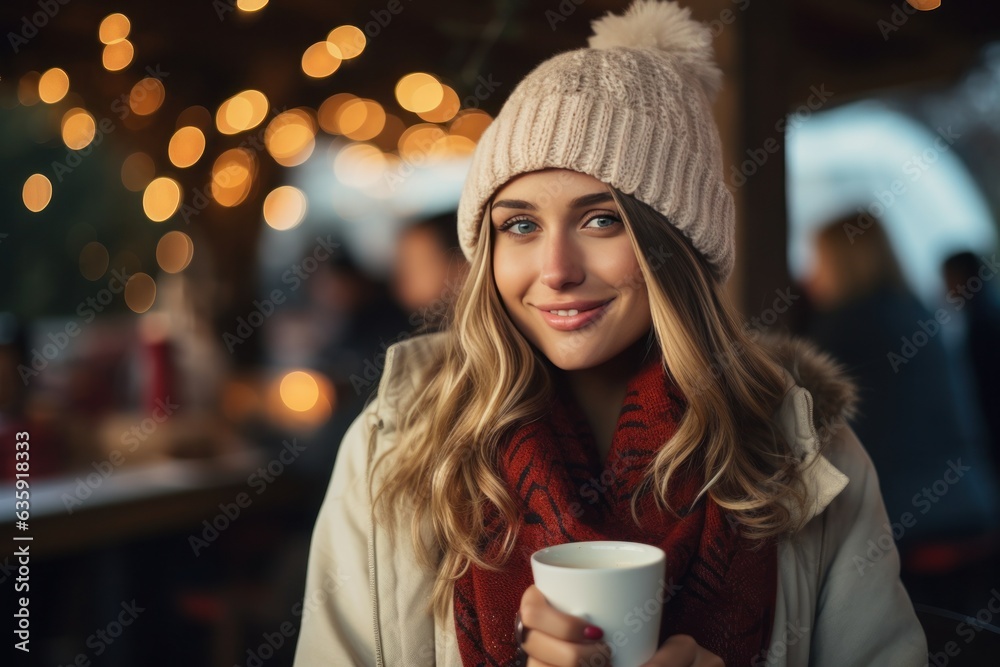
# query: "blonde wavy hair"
487 379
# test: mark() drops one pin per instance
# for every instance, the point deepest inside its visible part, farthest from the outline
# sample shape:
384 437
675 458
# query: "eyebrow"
579 202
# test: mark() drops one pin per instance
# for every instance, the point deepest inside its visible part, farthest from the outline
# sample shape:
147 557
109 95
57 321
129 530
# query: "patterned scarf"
716 588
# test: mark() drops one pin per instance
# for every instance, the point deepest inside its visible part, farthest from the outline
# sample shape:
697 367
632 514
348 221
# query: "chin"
575 355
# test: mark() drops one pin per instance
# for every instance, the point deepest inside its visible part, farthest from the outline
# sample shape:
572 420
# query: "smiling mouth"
569 322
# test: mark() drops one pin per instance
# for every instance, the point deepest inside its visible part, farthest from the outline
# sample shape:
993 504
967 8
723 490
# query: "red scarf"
718 590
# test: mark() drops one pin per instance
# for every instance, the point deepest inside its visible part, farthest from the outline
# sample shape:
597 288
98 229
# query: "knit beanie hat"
633 110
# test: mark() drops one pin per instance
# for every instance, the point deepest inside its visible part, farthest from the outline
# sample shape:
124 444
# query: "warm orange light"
251 5
417 142
161 198
361 119
186 146
291 137
36 192
232 176
146 96
452 146
299 391
444 111
117 56
174 251
114 28
140 292
349 40
327 113
419 92
471 124
243 111
284 207
78 128
53 85
321 60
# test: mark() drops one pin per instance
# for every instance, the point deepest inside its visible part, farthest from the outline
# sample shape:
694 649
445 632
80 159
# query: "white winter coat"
840 602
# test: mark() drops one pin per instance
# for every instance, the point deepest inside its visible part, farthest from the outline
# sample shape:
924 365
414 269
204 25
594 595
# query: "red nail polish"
593 632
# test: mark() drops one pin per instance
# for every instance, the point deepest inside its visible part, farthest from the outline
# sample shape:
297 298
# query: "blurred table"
134 502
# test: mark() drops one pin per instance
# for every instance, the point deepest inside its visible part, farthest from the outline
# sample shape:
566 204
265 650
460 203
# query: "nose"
562 262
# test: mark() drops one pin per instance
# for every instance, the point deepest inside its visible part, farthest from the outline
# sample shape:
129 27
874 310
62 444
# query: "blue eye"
510 223
604 217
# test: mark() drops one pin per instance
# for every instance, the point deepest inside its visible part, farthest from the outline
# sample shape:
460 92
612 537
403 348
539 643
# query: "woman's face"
559 243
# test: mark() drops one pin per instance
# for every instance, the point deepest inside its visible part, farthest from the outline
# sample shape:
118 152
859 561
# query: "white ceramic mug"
617 586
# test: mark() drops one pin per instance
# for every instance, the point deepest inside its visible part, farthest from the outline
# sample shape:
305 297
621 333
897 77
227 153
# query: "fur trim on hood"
834 392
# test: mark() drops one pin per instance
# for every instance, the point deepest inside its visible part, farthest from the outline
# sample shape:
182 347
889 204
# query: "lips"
572 322
571 305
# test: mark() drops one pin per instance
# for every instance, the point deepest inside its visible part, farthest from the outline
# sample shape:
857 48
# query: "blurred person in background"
917 417
359 319
429 268
974 304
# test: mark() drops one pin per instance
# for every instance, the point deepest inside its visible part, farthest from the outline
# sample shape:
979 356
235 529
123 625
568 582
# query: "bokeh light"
470 123
117 56
161 198
114 28
417 142
250 5
243 111
36 193
285 207
186 146
327 113
174 251
349 40
419 92
321 60
361 119
445 110
146 96
291 137
140 292
232 176
78 128
299 391
53 85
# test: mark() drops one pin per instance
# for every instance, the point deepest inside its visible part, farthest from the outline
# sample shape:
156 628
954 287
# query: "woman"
595 383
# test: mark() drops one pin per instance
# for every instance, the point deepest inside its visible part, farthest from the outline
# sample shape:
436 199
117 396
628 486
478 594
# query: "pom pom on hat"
633 110
665 26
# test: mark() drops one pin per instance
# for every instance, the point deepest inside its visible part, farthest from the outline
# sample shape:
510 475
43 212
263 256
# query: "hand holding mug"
557 639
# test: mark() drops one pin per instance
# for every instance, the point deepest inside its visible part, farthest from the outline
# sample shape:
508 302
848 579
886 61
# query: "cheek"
622 269
509 277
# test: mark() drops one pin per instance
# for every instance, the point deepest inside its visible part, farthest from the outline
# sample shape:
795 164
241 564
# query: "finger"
684 651
560 653
538 614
